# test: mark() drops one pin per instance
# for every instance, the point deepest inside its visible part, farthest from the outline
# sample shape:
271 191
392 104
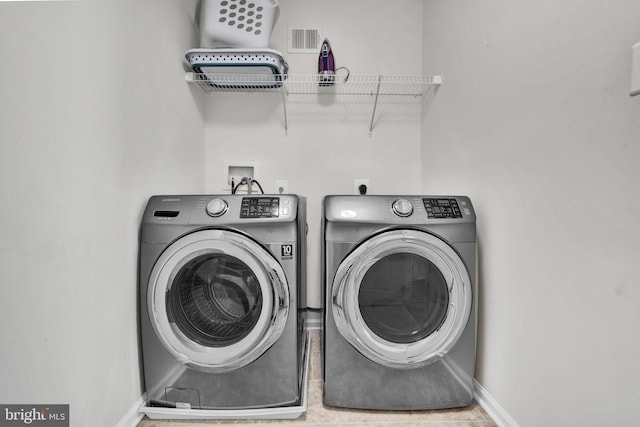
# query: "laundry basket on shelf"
237 23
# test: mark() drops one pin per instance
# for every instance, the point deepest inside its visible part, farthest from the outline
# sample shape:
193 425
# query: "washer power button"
402 207
217 207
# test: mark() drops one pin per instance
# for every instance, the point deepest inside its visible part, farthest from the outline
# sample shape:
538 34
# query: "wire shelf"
374 86
293 84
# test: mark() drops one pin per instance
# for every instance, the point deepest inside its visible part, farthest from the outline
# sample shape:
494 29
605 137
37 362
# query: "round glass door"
402 298
217 300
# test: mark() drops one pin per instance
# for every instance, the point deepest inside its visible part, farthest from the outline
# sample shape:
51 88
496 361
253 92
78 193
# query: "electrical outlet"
358 182
282 186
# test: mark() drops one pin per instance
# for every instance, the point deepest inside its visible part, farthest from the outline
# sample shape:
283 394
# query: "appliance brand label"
34 415
286 251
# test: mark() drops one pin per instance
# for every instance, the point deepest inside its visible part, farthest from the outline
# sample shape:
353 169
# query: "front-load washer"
399 329
221 282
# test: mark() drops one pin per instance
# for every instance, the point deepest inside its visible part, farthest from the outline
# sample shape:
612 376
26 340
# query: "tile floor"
319 415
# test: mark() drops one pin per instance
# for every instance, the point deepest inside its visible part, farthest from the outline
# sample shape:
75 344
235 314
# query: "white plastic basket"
240 68
237 23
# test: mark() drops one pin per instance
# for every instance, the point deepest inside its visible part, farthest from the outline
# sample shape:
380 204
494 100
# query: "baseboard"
492 407
133 416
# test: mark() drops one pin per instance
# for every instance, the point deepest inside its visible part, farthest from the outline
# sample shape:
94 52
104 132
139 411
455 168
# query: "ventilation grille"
304 39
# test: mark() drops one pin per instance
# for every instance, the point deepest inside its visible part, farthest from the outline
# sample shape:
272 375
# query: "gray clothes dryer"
399 328
221 282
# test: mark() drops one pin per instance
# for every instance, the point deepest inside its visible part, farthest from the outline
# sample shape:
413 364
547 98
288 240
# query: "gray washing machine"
222 299
399 330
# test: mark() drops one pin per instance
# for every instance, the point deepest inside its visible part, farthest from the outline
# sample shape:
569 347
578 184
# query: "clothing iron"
326 65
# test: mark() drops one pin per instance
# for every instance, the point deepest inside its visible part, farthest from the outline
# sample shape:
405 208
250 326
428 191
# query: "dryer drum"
403 298
215 300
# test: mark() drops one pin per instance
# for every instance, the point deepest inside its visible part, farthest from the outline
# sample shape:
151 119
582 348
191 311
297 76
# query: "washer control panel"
260 207
442 208
223 209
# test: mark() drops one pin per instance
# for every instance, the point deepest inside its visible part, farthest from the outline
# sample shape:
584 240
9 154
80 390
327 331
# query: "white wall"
328 143
535 123
87 133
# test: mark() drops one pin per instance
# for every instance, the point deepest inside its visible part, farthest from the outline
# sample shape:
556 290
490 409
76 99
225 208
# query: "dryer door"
217 300
402 298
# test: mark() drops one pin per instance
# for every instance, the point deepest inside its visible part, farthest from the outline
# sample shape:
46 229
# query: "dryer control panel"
400 209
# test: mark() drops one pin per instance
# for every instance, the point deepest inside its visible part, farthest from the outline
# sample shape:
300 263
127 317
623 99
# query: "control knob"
402 207
217 207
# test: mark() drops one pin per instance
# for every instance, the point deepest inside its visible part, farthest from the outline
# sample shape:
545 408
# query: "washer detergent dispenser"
234 40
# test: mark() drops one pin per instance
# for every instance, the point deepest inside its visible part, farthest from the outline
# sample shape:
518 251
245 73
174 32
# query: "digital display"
260 207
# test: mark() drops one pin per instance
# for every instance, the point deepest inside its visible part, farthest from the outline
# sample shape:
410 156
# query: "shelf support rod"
375 105
284 106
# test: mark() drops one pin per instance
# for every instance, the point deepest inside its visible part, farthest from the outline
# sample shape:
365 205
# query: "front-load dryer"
399 330
221 284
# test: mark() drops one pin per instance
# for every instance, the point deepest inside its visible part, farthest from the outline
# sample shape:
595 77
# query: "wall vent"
303 39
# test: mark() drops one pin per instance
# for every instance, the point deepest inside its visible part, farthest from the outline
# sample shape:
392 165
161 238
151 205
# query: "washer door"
402 298
217 300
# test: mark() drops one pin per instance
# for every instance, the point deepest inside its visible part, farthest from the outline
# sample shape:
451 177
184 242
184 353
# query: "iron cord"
348 73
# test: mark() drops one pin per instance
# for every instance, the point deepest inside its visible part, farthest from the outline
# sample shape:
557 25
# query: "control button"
402 207
217 207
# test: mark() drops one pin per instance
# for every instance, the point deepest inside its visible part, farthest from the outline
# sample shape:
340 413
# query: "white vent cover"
304 39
